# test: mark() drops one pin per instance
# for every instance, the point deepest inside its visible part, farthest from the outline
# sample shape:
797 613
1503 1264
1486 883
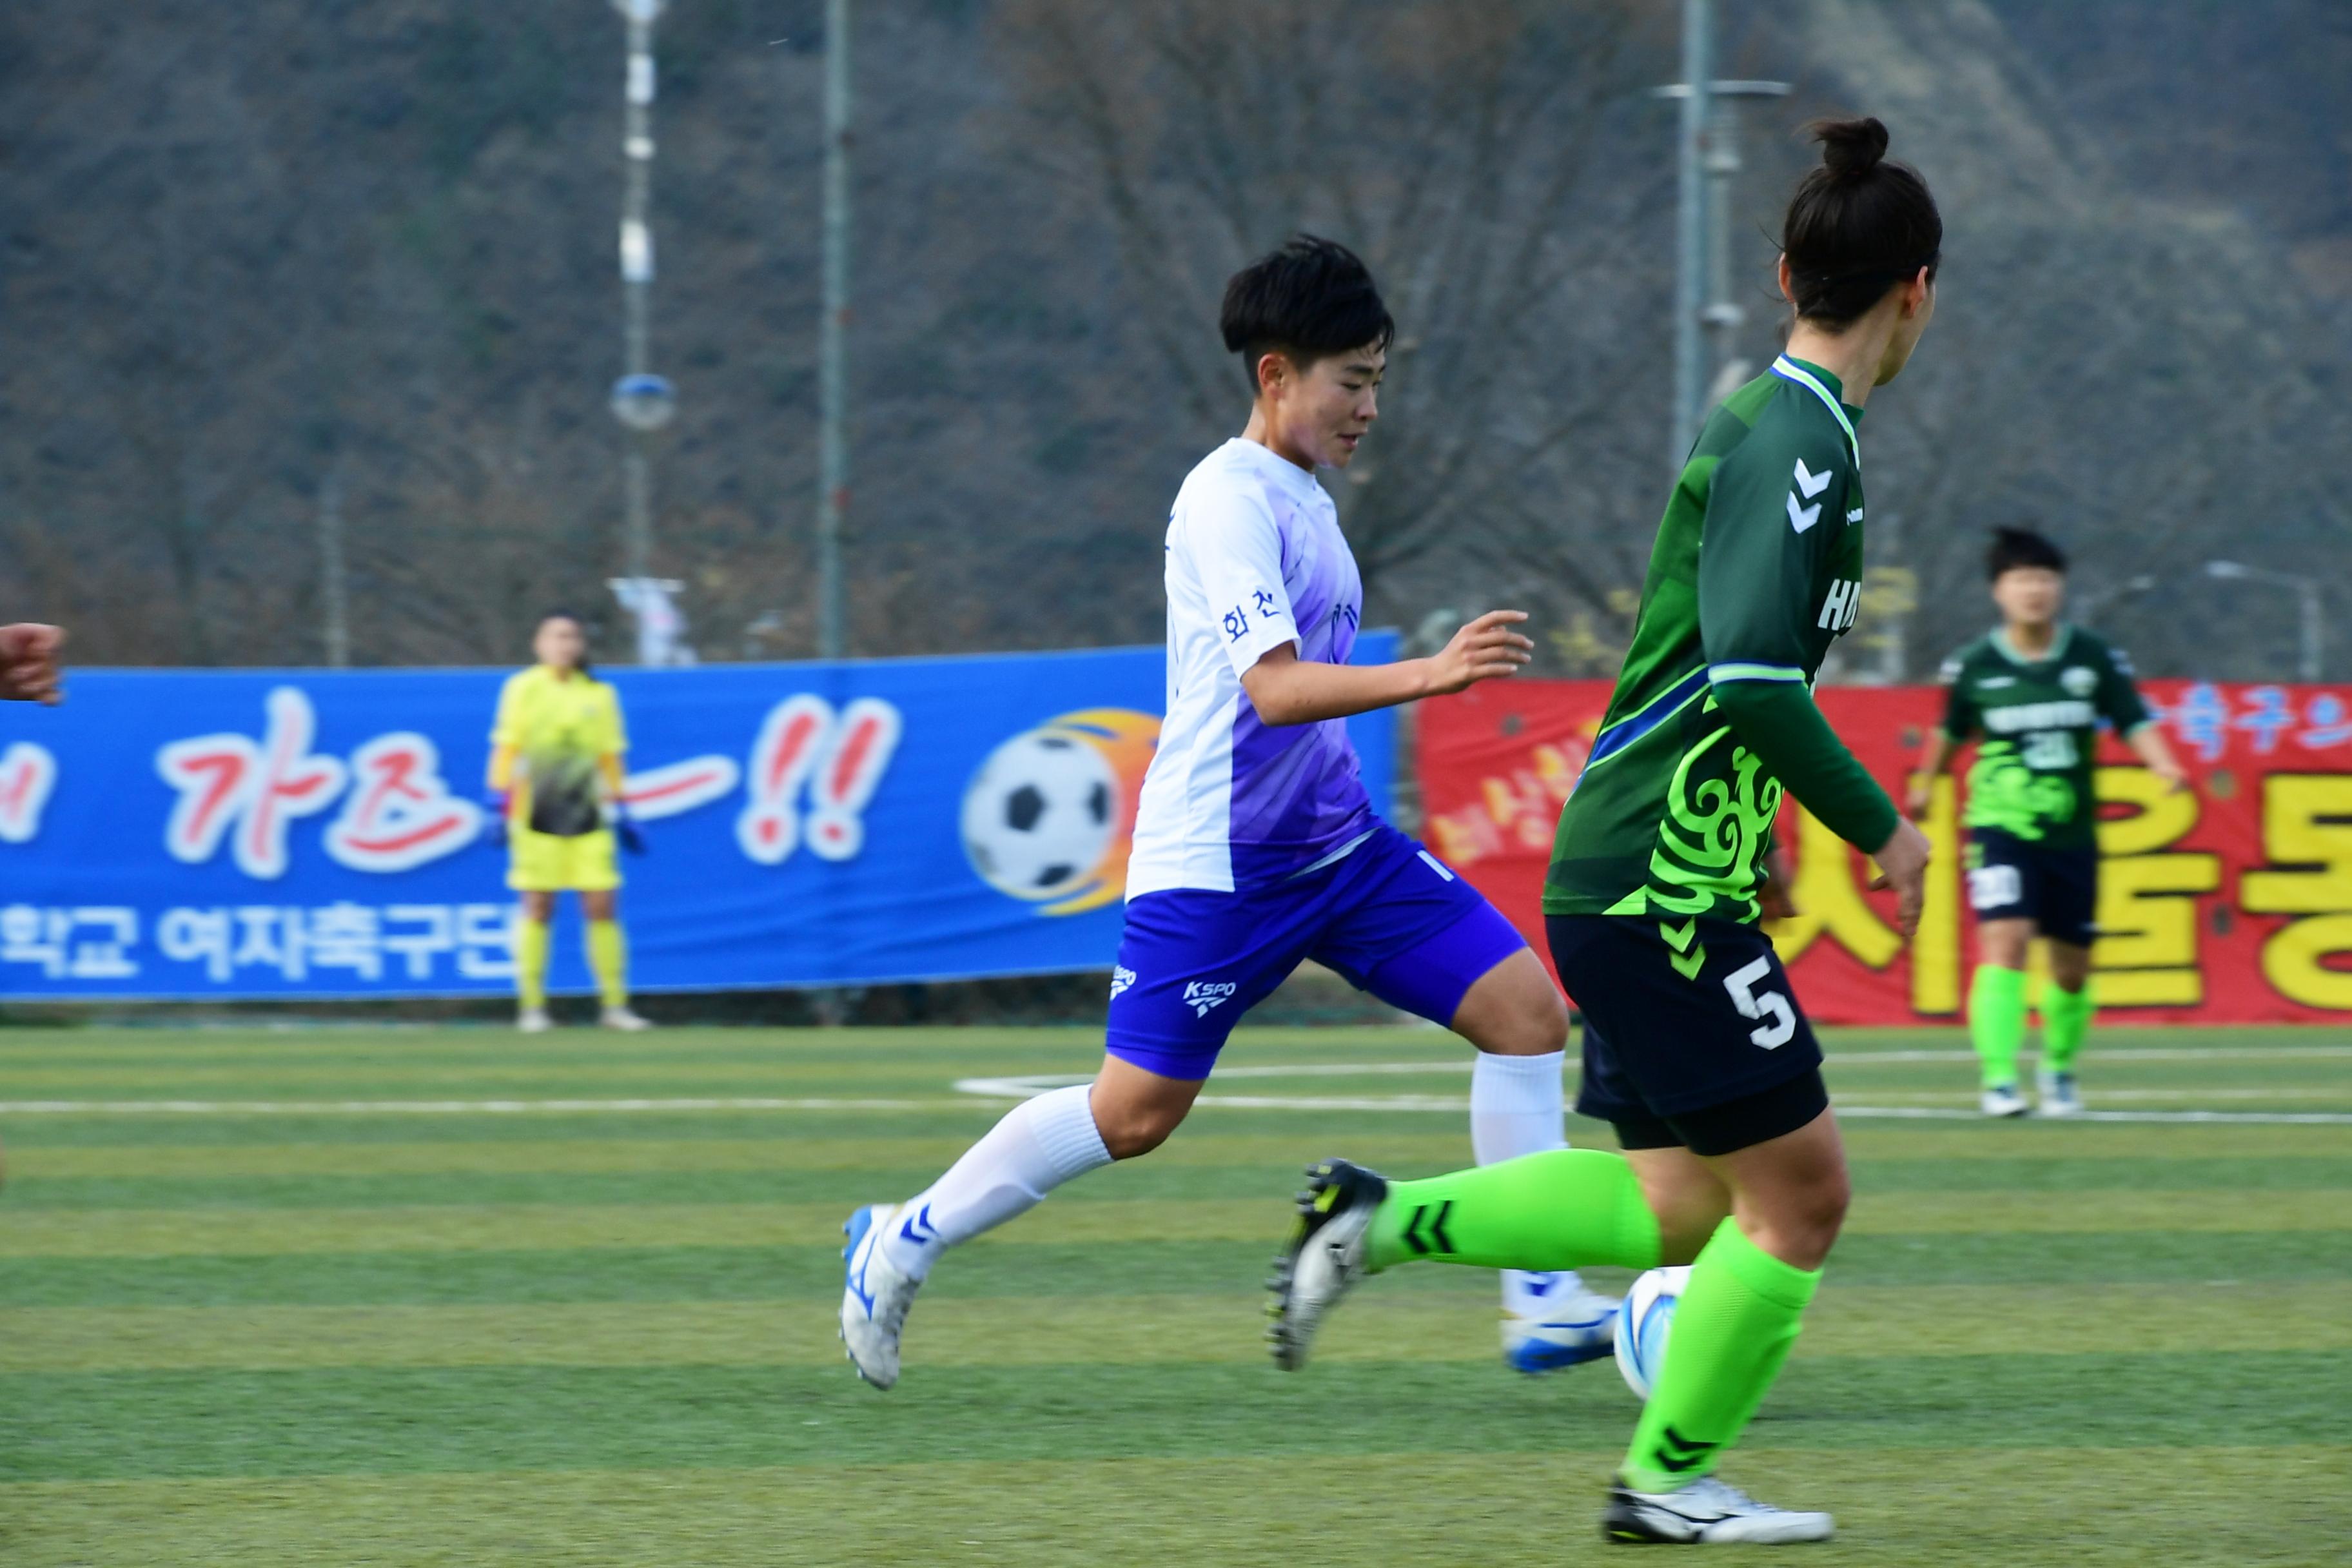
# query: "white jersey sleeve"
1235 548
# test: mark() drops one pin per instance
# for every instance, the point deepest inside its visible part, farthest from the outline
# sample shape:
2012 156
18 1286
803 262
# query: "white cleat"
621 1018
2003 1099
1710 1511
876 1294
2059 1096
1325 1256
1580 1326
533 1021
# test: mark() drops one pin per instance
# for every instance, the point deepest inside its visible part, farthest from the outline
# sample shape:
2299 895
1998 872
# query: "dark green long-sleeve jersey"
1756 573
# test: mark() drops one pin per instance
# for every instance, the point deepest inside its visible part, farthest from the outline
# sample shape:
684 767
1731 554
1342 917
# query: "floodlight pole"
1690 228
642 401
833 341
1707 162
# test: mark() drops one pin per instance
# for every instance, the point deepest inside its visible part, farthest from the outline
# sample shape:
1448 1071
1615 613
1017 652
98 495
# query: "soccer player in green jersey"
1693 1045
2036 689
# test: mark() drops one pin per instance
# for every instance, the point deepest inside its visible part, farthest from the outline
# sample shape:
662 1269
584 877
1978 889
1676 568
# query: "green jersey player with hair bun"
1694 1046
2035 691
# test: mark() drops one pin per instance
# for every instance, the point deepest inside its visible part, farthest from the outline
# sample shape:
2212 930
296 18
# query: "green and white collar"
2011 652
1811 380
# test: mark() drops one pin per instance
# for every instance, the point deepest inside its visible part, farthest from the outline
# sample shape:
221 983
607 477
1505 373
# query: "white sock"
1519 1107
1040 1144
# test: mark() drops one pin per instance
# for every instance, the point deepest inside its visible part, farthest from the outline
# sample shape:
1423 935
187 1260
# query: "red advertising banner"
2229 903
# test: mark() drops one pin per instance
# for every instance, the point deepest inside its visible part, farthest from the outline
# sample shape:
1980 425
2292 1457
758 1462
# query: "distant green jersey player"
1694 1047
2035 691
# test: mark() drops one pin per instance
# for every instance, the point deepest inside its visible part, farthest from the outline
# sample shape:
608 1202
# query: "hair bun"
1849 148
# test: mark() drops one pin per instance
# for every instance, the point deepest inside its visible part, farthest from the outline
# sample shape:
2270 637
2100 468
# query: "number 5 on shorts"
1753 1003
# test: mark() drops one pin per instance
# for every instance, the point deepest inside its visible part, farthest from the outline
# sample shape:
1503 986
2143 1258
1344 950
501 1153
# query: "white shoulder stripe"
1788 369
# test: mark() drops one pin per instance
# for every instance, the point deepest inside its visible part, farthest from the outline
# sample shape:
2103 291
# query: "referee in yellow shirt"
555 784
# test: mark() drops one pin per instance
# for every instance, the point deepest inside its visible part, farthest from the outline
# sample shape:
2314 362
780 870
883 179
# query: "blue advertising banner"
257 834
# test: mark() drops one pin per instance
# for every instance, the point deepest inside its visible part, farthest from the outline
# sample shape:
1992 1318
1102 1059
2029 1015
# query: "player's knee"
1818 1213
1131 1130
1532 1022
2002 943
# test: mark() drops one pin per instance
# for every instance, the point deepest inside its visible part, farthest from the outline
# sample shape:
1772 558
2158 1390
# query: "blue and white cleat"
1580 1327
874 1296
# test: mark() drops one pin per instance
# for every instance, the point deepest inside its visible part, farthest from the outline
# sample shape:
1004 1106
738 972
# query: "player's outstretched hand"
2174 776
29 663
1903 865
1485 650
1921 799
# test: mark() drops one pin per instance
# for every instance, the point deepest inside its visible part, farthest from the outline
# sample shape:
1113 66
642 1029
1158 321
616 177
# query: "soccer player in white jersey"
1256 844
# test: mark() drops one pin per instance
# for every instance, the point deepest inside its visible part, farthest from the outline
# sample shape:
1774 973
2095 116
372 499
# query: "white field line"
2234 1118
435 1106
1025 1087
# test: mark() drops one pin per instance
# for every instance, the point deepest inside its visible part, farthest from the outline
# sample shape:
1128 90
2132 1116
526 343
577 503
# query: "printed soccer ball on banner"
1642 1319
1039 816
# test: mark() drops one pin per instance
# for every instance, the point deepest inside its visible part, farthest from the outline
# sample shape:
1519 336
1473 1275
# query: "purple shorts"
1390 916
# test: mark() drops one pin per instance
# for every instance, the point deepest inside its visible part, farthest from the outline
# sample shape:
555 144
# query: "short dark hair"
2015 547
1857 225
563 612
1308 301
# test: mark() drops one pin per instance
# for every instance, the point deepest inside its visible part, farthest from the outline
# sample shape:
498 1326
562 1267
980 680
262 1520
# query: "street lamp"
2307 589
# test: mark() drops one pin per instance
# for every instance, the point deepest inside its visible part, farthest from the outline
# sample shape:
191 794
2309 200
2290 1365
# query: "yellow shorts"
543 863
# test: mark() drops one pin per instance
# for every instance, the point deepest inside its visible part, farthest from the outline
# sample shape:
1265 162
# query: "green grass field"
457 1297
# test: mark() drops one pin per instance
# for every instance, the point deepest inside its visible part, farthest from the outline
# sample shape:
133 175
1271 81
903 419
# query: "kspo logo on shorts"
1121 977
1202 994
1992 886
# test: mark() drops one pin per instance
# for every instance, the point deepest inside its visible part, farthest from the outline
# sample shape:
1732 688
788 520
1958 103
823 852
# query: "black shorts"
2013 878
1716 1060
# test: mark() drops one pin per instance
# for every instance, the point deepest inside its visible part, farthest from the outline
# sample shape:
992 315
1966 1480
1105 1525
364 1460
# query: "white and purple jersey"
1256 559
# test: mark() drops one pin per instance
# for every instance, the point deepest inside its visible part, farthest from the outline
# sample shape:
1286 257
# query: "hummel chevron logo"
1811 484
918 1228
1202 994
1677 1453
1689 955
1436 1239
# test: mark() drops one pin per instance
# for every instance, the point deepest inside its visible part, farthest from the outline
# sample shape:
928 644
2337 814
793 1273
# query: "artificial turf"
457 1297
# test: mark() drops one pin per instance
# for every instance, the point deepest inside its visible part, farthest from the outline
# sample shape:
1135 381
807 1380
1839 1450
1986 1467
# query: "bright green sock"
531 961
608 955
1564 1208
2065 1020
1740 1313
1996 1021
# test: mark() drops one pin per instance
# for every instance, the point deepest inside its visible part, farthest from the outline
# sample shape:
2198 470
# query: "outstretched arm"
1286 690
